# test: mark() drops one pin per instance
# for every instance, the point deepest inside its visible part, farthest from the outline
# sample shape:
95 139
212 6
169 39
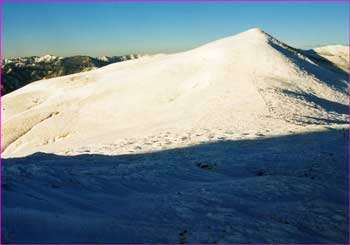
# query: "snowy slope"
242 140
245 82
338 54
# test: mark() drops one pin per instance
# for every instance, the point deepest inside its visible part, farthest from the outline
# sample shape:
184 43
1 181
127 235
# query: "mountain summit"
255 33
247 82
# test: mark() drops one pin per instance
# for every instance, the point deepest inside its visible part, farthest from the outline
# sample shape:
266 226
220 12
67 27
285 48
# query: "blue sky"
116 28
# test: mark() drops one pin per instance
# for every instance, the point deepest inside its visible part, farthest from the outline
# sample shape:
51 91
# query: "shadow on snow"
285 189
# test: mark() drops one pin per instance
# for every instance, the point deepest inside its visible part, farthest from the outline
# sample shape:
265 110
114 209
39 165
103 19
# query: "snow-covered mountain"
241 140
18 72
244 82
23 61
113 59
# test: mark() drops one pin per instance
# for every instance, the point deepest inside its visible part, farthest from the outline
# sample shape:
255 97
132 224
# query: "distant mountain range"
18 72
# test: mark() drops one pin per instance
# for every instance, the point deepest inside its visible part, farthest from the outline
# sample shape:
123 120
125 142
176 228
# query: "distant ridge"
18 72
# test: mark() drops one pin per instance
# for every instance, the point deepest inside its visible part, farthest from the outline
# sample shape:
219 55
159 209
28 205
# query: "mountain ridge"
18 72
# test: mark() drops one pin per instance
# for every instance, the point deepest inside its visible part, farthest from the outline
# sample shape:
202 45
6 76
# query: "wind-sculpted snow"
241 140
285 189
